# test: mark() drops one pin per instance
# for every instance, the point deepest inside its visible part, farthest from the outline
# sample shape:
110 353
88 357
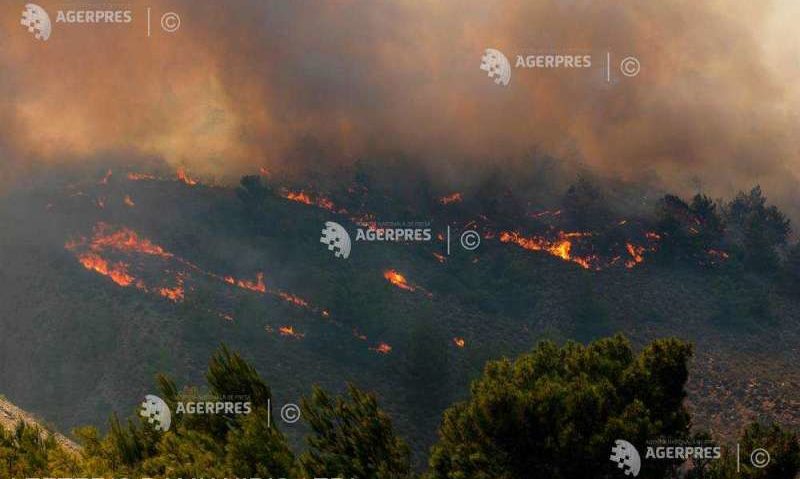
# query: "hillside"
110 278
11 415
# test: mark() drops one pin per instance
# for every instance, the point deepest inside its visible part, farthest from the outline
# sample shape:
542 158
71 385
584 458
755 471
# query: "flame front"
124 240
561 247
117 272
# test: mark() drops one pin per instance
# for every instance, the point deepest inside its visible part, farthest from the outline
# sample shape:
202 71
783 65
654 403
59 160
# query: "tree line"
552 412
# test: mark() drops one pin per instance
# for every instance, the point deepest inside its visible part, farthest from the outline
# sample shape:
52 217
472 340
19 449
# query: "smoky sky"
243 83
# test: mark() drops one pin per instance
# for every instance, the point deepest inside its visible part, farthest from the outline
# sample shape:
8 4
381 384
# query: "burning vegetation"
397 279
561 247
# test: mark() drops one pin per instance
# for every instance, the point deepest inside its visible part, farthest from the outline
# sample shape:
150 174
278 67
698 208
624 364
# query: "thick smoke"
249 84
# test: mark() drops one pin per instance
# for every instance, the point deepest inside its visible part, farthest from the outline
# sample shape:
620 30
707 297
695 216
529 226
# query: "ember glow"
450 199
397 279
637 254
133 176
289 331
382 348
176 294
128 201
459 342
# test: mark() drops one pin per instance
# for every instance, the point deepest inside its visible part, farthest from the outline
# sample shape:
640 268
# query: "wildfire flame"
104 180
182 176
128 201
561 247
397 279
176 294
258 286
117 272
459 342
124 240
637 254
289 331
305 198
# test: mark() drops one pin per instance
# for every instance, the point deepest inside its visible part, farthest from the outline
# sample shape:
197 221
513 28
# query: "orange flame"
306 199
397 279
175 294
182 176
440 257
125 240
258 286
560 248
128 201
105 179
128 241
290 332
117 272
459 342
300 197
637 255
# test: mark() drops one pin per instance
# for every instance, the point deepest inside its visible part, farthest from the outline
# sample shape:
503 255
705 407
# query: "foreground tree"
352 437
556 412
197 445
